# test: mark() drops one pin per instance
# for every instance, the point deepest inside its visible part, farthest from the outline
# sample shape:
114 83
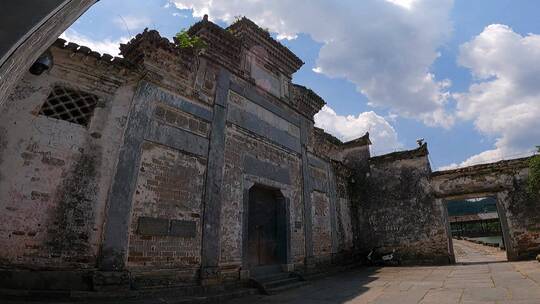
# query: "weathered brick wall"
344 208
507 181
240 143
181 120
54 175
400 211
169 191
165 233
322 234
334 190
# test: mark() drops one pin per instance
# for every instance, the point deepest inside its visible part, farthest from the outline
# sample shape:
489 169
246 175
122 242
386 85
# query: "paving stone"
495 283
442 296
410 297
485 294
524 293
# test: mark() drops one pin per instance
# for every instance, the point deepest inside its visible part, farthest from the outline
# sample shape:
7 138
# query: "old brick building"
173 167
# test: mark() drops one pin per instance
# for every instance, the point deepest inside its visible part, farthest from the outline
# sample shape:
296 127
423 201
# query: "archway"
476 230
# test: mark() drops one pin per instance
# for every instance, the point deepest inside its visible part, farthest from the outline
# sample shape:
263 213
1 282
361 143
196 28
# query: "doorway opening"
267 229
476 230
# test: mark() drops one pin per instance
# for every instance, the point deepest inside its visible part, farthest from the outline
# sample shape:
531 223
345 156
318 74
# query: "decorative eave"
306 101
360 141
106 59
327 136
162 61
111 72
421 151
138 48
222 47
250 34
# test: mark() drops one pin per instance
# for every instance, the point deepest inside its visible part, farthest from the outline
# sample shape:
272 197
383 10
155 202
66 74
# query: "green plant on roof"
186 41
534 175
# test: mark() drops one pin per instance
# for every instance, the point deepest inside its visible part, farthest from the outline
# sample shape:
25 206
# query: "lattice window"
70 105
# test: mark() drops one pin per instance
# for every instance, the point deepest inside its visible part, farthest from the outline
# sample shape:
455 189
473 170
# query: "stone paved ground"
468 252
475 282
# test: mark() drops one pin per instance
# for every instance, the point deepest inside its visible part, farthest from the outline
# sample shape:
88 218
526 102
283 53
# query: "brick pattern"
322 238
344 209
177 70
169 186
181 120
344 224
237 144
319 179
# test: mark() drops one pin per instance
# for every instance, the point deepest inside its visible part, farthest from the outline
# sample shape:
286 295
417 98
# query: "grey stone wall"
398 209
344 211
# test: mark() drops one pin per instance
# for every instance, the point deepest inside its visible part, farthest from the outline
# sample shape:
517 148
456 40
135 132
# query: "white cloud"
384 49
408 4
382 134
132 23
504 101
105 46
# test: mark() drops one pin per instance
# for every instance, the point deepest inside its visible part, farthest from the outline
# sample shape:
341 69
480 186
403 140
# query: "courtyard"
480 276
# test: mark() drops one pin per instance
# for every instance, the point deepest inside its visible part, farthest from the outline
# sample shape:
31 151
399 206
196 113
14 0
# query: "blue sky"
460 74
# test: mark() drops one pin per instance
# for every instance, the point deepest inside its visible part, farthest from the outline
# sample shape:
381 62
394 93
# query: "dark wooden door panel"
263 224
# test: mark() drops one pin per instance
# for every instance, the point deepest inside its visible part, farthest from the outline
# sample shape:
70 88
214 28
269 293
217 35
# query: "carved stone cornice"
306 101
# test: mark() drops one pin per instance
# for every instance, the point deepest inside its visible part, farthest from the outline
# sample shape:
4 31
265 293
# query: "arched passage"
507 182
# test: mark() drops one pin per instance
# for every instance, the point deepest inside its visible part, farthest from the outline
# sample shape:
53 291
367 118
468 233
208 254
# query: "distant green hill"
474 206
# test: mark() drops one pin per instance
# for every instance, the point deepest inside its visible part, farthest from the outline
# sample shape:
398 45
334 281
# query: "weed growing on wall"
534 176
185 41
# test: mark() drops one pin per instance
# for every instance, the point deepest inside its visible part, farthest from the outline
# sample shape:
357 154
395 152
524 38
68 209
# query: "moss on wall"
534 177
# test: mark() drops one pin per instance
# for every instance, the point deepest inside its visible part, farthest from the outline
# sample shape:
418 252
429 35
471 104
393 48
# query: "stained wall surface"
154 190
399 210
54 174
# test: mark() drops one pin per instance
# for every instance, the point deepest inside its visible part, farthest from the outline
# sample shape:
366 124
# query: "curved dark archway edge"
27 29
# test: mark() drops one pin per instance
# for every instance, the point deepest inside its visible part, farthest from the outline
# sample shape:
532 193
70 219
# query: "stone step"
282 288
272 277
273 283
217 298
280 282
